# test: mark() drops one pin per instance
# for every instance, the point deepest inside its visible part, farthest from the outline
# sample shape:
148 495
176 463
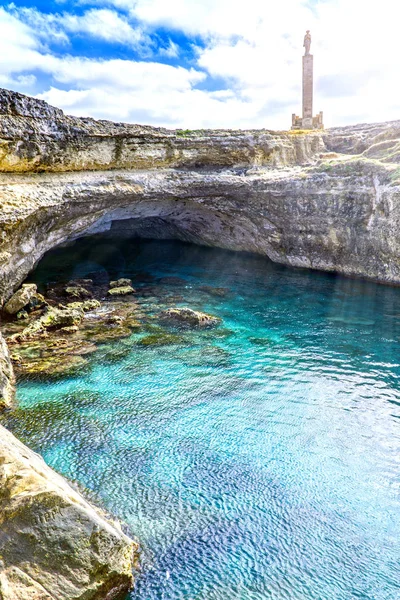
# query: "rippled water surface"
259 460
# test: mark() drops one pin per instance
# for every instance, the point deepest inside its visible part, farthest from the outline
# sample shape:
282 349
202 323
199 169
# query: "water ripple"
259 463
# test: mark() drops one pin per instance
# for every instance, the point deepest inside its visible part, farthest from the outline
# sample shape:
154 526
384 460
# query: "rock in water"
52 320
189 317
121 283
20 299
86 306
77 291
53 544
121 291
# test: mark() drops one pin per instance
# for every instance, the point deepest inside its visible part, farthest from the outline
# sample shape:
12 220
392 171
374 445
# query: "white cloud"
103 24
257 45
255 48
215 18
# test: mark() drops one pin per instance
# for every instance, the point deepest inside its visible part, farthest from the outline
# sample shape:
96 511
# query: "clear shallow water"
257 461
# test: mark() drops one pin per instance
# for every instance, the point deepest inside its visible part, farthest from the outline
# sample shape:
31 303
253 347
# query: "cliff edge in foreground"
53 544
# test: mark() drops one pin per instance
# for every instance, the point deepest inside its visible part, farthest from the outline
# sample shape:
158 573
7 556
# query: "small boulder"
77 291
189 317
86 306
20 299
219 292
121 291
121 283
56 319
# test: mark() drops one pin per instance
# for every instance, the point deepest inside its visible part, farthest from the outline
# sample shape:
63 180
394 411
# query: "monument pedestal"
316 122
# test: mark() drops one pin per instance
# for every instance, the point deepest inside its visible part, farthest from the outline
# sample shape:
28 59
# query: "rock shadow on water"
206 356
50 419
154 340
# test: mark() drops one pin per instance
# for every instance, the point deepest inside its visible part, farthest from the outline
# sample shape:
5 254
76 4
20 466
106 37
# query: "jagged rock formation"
323 200
53 544
6 376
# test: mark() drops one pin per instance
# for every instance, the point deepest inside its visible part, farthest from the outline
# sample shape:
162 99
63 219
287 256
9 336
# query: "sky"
204 63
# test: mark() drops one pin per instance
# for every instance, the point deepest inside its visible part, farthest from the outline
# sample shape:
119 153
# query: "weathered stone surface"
53 544
17 585
121 291
121 283
54 318
189 317
7 380
323 200
20 299
37 137
77 291
86 306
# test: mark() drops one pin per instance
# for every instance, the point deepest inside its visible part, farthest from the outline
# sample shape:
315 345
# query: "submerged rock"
77 292
121 291
172 280
54 367
102 333
53 319
81 282
206 356
161 339
53 544
20 299
121 283
86 306
189 317
219 292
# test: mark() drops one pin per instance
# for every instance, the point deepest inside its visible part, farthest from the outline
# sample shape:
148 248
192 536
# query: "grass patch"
184 132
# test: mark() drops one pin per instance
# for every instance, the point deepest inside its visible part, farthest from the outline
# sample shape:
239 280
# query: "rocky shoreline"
322 200
52 336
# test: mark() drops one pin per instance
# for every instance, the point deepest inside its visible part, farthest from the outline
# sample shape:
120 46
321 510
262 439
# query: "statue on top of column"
307 42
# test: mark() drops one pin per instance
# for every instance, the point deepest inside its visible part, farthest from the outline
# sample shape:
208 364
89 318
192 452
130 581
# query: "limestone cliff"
6 376
324 200
53 544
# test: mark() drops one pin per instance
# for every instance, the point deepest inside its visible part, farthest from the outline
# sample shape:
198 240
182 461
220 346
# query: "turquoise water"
259 460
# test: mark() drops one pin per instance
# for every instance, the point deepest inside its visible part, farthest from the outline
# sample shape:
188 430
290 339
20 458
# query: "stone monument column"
307 121
308 90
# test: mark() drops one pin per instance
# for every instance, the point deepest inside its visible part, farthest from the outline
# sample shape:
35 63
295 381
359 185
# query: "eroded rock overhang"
322 200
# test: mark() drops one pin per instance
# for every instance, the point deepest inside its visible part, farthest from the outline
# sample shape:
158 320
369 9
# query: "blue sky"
203 63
